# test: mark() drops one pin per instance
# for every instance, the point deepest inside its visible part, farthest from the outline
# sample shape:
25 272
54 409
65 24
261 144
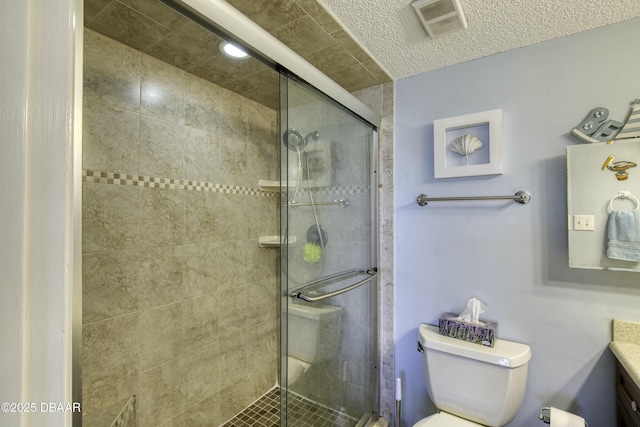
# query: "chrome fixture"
522 197
332 278
343 203
294 140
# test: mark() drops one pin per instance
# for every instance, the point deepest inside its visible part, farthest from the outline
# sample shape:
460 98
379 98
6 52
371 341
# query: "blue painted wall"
514 257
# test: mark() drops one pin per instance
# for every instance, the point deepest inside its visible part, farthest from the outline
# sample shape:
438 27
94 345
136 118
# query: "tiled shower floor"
265 412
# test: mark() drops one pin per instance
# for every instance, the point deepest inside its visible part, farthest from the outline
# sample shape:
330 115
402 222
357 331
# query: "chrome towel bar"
332 278
343 203
522 197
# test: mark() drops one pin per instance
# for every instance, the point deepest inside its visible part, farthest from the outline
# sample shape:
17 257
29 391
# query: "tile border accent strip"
101 177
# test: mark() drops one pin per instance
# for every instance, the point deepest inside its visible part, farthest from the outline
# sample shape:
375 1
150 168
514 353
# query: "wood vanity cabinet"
628 399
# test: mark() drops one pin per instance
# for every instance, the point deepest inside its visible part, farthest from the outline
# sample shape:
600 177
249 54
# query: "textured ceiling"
391 32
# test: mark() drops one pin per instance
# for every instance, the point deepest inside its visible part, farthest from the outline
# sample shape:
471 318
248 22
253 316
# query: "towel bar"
522 197
333 278
343 203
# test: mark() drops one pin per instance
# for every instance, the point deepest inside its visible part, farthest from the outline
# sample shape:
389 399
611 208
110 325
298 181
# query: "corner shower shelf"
274 241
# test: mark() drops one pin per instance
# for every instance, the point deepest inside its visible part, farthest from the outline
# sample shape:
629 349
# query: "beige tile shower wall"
179 303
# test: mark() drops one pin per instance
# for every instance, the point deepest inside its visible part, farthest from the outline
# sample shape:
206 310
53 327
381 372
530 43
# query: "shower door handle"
372 274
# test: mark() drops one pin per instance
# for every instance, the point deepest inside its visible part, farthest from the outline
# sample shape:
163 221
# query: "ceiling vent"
440 17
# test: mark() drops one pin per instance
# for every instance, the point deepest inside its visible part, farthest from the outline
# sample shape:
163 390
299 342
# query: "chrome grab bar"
372 272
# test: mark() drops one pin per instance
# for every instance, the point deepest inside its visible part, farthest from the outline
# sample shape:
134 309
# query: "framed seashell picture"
469 145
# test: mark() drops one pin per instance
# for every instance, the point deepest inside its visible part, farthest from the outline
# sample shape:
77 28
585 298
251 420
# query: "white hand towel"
623 236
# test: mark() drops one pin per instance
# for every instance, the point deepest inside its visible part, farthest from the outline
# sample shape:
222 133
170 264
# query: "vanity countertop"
626 347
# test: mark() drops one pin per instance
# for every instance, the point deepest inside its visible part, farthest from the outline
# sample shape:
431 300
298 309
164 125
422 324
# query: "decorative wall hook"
620 167
596 128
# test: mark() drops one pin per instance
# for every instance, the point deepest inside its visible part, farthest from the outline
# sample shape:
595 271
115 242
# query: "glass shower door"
328 277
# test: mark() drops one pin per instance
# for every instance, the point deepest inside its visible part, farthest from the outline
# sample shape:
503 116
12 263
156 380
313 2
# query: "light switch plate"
583 222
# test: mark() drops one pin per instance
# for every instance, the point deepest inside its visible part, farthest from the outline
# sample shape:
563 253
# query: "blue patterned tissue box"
478 334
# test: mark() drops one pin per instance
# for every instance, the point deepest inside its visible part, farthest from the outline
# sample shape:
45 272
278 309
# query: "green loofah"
312 252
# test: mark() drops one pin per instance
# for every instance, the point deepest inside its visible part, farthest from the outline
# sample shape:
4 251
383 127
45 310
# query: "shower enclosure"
229 246
328 258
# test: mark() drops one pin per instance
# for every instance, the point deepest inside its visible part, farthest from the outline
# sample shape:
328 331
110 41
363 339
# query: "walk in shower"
229 218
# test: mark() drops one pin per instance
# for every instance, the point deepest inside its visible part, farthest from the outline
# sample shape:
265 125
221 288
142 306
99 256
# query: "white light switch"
583 222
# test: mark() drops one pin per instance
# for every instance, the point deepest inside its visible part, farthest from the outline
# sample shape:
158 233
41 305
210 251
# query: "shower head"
315 135
294 140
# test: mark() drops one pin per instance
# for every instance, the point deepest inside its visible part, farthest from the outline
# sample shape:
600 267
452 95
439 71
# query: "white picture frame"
487 126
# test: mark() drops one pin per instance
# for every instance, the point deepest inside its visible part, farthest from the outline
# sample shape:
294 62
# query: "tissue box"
479 334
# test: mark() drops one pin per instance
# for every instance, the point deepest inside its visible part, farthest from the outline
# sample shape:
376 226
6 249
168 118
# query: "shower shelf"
274 241
272 186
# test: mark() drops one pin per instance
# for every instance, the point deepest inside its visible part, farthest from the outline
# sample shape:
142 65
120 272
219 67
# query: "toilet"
313 336
472 385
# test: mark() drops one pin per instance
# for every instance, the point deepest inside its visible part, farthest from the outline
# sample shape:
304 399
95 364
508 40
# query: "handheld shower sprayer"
295 141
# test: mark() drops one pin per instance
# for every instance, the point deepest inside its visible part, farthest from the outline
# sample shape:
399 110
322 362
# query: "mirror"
601 179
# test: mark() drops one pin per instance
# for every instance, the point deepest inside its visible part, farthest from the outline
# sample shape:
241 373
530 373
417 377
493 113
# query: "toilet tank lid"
505 353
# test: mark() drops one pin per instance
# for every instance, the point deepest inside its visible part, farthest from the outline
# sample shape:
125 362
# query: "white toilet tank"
478 383
314 331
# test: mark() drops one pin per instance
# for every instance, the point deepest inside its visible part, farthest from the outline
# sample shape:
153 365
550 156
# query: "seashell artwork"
465 145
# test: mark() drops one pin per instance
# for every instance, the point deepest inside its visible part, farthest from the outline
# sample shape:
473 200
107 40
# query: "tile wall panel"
171 217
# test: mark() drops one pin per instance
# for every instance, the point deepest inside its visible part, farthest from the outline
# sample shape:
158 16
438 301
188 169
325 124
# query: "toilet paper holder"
545 416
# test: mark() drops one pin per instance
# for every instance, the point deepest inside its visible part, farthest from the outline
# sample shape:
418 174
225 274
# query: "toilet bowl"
313 336
470 384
